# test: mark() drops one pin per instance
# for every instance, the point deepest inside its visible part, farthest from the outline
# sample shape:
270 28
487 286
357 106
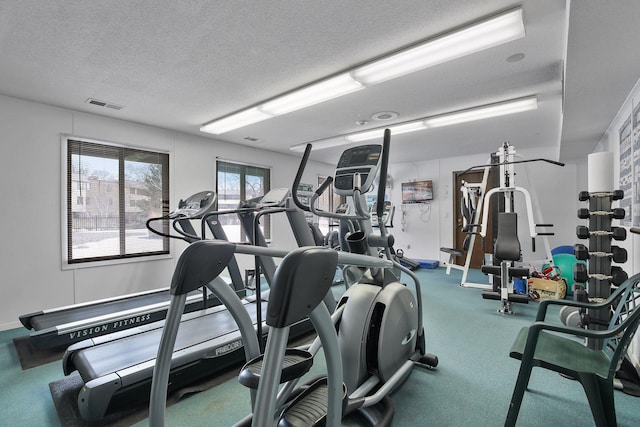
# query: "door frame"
481 246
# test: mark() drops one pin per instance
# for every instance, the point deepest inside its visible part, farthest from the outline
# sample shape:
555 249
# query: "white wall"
30 179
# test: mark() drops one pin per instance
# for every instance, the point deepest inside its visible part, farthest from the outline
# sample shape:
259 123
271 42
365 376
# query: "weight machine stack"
599 275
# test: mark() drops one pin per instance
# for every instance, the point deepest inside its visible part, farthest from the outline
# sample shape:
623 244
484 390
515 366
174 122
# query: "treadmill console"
364 160
274 198
195 206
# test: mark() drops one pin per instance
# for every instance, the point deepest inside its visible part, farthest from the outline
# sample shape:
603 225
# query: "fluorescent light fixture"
484 112
321 144
310 95
474 38
491 32
379 133
235 121
468 115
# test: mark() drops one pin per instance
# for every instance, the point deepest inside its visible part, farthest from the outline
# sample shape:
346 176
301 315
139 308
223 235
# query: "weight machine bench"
506 249
453 253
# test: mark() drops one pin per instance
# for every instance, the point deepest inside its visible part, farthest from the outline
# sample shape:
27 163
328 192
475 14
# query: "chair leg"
600 396
518 393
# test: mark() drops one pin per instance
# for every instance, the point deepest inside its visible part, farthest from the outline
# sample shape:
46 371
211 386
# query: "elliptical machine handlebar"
298 178
384 167
327 182
360 212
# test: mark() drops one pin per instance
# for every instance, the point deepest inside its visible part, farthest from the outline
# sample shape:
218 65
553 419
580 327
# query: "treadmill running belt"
115 356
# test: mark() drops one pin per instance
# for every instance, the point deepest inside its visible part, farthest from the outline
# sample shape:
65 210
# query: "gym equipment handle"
553 162
384 167
298 178
327 182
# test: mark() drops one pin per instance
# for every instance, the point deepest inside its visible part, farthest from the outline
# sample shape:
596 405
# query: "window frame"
66 214
267 223
329 202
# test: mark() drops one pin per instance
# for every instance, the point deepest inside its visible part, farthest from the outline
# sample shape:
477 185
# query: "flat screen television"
417 192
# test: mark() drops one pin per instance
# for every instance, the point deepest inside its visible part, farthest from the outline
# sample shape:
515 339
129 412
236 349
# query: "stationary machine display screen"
360 156
364 160
274 198
195 206
417 191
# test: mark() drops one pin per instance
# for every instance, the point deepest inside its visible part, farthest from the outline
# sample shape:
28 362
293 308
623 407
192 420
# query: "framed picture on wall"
635 149
626 171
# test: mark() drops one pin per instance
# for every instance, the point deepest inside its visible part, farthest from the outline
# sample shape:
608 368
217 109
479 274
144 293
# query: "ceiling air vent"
104 104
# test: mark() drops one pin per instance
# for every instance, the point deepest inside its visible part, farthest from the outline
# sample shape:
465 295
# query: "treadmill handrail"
26 318
119 315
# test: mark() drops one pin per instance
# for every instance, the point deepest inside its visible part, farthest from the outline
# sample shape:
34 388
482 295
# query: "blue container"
562 250
428 263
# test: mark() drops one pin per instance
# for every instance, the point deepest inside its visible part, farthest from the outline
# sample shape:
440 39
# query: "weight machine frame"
504 159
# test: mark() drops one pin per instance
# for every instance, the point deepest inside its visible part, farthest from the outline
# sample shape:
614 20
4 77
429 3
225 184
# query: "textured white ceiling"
178 64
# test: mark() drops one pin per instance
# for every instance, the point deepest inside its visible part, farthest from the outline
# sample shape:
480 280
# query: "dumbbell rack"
601 274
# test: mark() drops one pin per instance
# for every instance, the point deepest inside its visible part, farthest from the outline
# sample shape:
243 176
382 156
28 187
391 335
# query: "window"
329 202
103 222
238 182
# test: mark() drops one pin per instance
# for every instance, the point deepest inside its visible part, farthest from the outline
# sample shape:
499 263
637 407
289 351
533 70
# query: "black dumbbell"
581 275
613 195
580 293
617 213
617 233
617 253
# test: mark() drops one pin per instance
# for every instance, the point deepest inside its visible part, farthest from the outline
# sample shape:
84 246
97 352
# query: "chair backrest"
626 317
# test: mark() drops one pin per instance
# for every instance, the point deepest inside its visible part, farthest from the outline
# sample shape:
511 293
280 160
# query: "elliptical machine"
377 325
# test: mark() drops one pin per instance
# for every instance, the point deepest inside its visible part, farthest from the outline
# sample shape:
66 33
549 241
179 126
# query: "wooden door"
477 256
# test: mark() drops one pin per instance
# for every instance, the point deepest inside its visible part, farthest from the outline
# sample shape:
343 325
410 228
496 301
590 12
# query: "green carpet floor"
471 386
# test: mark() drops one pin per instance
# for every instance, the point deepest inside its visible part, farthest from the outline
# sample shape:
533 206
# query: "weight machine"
471 207
502 161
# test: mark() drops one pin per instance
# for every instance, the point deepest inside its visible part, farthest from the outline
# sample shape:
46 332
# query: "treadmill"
64 326
117 369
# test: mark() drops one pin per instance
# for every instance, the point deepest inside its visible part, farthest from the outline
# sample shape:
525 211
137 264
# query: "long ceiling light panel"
378 133
243 118
455 117
311 95
491 32
485 112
